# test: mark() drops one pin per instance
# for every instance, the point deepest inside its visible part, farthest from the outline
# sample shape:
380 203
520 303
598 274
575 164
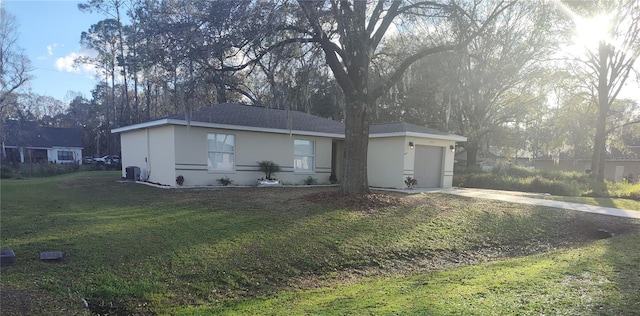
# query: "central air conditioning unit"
133 173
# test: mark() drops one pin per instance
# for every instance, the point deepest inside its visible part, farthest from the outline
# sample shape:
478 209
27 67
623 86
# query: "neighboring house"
227 140
27 142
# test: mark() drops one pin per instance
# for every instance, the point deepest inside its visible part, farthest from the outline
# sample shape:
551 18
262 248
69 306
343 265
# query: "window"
303 155
221 152
65 155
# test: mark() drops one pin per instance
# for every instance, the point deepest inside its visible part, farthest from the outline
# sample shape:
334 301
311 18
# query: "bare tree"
610 64
14 69
14 65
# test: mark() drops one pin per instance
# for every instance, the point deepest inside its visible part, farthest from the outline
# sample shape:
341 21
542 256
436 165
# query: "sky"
49 33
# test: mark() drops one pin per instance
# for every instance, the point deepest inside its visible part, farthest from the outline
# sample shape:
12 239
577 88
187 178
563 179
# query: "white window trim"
209 168
73 154
307 171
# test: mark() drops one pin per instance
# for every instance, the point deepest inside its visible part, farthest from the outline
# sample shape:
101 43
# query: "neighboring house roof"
253 118
29 134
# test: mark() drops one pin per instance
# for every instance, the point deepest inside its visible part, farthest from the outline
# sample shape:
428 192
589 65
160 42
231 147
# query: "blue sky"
49 33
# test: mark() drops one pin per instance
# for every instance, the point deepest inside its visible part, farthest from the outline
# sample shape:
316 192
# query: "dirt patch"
17 302
28 302
364 203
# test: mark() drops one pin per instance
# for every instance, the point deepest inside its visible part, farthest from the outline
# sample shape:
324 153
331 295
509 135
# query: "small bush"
225 181
269 168
180 180
7 172
333 179
310 180
410 182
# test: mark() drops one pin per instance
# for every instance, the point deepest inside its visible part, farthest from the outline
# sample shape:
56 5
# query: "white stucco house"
228 140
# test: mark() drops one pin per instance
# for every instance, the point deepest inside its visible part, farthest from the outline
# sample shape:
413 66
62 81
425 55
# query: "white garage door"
427 166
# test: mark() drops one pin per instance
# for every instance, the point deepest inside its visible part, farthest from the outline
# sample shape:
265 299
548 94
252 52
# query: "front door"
427 166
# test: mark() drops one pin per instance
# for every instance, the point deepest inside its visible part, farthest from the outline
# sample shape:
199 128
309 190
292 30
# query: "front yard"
137 249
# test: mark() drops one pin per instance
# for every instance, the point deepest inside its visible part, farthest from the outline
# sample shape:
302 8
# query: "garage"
427 168
401 150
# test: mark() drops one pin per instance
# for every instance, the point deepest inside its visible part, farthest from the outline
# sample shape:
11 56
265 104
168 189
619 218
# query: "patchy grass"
597 279
134 249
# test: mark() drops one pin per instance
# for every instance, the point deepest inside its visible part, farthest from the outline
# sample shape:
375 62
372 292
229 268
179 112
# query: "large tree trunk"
599 142
471 147
357 122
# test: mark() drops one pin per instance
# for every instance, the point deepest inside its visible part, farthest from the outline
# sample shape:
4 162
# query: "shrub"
554 187
410 182
7 172
269 168
333 179
225 181
512 171
180 180
310 180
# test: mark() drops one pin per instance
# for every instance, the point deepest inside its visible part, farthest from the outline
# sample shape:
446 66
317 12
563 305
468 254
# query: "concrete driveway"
529 198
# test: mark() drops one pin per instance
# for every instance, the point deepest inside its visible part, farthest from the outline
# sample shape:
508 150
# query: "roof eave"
144 125
451 137
224 126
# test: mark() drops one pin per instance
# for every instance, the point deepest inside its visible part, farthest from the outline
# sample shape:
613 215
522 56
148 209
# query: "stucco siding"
250 147
134 147
447 163
162 153
385 162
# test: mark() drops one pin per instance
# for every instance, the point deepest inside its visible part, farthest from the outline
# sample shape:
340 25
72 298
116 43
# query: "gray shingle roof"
235 114
261 117
30 134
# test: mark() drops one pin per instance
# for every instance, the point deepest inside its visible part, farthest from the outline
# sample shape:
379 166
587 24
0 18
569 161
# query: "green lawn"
598 279
131 248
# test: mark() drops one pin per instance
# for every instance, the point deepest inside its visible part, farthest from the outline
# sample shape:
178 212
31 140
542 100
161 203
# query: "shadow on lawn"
606 282
623 297
220 253
136 248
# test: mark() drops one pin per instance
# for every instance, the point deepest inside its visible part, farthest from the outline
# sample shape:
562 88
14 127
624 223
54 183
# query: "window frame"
313 157
70 152
209 151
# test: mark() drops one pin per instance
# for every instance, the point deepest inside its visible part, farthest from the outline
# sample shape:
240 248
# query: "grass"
134 249
515 178
581 281
606 202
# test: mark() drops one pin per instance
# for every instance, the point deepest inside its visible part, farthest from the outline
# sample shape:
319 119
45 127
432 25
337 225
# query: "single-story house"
28 142
228 140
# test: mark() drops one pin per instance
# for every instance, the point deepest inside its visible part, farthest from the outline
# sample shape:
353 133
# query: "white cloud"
50 48
68 63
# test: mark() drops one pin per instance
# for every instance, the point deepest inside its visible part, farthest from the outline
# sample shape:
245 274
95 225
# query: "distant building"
27 142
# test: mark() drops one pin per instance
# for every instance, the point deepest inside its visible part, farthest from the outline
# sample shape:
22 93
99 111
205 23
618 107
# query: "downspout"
148 157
